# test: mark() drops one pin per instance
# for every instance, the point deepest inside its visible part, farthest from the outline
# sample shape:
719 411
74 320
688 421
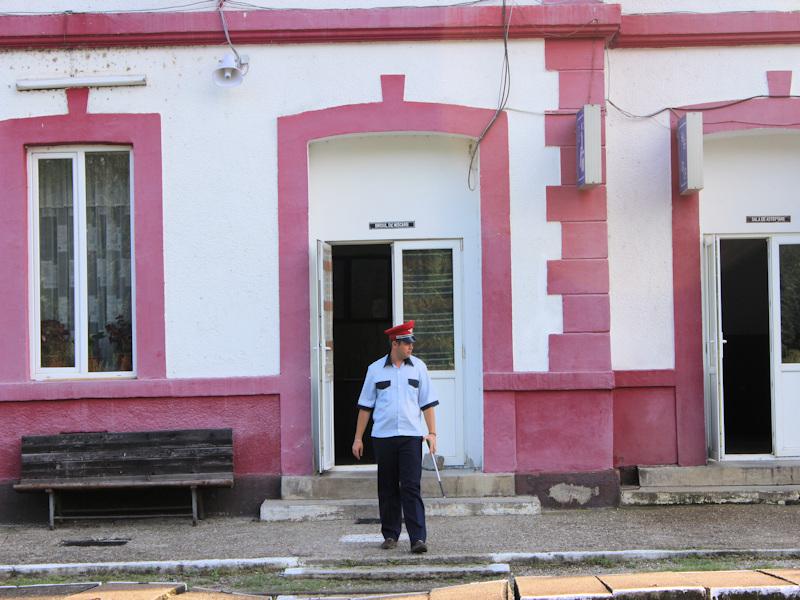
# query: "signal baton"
435 467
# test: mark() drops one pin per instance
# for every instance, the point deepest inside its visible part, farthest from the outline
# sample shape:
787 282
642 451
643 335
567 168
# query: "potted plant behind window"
120 334
94 351
57 347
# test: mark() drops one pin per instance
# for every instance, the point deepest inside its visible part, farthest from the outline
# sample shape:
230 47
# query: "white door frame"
786 376
784 411
713 348
449 385
467 452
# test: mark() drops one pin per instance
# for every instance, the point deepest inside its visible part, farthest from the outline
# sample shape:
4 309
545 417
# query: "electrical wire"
503 94
228 37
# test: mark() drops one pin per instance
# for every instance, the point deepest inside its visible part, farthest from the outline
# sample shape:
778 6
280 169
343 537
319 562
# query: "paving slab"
484 590
792 575
411 596
743 585
130 591
197 594
582 587
665 585
43 592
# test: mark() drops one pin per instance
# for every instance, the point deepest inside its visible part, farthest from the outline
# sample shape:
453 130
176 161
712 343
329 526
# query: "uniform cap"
404 332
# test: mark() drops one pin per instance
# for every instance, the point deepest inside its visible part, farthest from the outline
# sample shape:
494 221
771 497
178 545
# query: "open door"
713 351
427 289
323 411
786 343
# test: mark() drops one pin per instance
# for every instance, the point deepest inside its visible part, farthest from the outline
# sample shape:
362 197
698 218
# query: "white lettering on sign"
392 225
775 219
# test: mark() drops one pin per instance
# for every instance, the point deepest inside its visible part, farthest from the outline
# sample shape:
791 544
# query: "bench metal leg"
194 505
51 497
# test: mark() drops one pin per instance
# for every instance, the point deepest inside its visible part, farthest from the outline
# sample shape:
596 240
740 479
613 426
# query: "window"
82 266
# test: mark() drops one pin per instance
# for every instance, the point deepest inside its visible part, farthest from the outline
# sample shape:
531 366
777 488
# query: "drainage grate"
95 542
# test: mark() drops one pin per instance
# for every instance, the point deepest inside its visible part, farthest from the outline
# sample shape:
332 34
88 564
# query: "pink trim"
715 29
254 420
779 83
391 115
642 379
564 431
587 239
153 388
577 88
143 132
575 352
590 314
577 277
527 382
759 113
644 426
579 22
568 203
570 54
500 447
306 26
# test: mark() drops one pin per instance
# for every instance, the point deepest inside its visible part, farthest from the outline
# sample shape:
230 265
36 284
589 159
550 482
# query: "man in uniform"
397 389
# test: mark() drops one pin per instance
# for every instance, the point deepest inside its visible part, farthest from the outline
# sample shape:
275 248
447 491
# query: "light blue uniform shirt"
397 396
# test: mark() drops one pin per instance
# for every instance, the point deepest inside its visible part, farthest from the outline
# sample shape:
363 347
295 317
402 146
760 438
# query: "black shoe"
419 547
388 544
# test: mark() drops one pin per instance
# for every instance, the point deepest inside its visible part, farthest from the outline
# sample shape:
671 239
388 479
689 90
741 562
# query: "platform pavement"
629 540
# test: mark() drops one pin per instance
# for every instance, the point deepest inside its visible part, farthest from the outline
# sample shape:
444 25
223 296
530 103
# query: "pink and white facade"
586 321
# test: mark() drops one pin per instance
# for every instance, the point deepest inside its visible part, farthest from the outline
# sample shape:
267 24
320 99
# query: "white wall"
704 6
220 179
750 174
643 82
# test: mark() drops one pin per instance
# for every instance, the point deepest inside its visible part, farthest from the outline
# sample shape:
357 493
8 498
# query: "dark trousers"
399 471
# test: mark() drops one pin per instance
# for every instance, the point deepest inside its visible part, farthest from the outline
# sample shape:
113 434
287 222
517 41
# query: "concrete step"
414 572
362 484
727 474
367 508
663 495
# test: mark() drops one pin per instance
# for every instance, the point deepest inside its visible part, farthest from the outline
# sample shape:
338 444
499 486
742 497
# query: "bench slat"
176 454
66 442
185 480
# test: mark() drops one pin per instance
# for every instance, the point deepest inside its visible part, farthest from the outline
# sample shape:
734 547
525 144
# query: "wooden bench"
144 459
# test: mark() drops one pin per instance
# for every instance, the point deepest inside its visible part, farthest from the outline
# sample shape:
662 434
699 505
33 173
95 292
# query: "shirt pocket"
414 383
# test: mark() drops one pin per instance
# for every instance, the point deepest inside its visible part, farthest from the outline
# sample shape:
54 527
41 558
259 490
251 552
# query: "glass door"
427 289
786 343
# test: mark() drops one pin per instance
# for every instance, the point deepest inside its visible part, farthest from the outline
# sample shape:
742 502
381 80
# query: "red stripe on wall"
713 29
306 26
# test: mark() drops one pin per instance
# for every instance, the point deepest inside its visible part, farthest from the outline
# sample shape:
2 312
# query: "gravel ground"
745 527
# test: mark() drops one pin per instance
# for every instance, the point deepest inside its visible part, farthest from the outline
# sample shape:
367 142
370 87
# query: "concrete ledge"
402 572
653 496
331 510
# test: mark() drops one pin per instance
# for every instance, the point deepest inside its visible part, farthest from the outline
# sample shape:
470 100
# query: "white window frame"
81 317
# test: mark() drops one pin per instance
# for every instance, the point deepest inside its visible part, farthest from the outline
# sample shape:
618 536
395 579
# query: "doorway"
375 286
746 360
362 311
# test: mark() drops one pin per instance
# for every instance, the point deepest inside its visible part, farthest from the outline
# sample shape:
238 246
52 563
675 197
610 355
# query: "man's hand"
358 449
431 439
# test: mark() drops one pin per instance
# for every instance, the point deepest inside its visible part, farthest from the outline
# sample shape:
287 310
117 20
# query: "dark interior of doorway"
746 368
362 311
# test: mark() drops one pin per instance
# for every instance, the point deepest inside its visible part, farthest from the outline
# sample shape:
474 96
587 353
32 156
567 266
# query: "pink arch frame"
393 114
776 112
